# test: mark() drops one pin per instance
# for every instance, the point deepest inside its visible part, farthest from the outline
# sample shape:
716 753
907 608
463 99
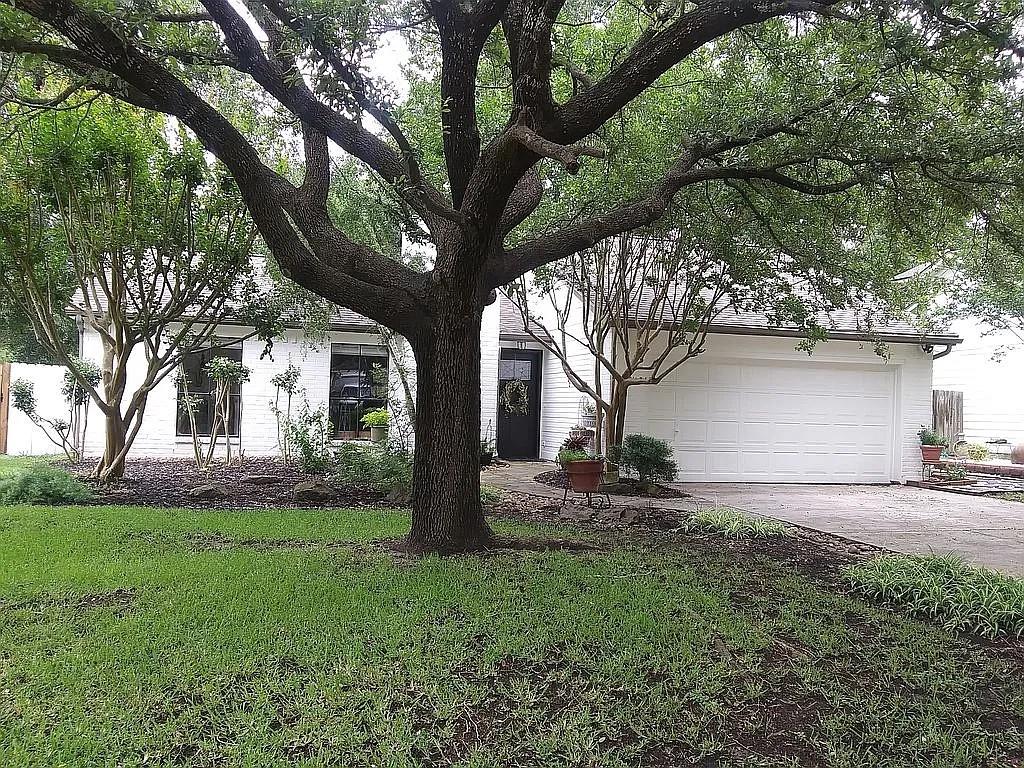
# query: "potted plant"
377 421
574 444
585 470
932 444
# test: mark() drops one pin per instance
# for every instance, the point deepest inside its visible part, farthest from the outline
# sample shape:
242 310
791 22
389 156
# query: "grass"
947 590
734 523
147 636
1012 496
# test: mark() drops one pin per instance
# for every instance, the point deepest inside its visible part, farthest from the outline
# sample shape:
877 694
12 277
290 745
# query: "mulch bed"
256 482
626 486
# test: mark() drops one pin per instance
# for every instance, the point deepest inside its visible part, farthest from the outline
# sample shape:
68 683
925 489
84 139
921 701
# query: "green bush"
374 467
734 524
43 483
945 589
649 458
309 434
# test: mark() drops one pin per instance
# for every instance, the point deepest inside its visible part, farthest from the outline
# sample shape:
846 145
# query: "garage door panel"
663 429
777 422
695 432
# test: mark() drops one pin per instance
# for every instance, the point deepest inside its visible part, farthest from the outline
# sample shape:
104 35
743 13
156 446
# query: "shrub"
374 467
648 457
734 523
945 589
43 483
309 433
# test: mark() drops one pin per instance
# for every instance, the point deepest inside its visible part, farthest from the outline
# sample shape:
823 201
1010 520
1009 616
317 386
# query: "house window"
359 383
203 391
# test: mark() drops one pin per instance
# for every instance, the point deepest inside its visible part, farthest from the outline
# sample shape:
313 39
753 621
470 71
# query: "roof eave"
794 333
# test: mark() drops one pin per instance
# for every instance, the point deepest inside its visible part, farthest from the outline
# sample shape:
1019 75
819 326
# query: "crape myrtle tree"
639 306
823 114
148 245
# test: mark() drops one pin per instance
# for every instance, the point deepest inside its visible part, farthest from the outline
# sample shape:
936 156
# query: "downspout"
937 355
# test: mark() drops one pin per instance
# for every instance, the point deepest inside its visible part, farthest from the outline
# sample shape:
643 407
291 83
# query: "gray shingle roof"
848 324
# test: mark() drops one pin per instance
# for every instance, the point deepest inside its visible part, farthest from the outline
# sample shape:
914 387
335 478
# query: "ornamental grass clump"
734 523
946 590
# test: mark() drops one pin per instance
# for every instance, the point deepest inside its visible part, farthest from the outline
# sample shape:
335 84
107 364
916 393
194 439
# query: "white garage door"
782 422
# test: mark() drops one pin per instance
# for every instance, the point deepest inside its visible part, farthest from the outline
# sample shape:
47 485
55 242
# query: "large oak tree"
824 114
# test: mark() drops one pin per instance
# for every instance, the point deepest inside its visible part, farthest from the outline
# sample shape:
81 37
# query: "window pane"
359 383
203 391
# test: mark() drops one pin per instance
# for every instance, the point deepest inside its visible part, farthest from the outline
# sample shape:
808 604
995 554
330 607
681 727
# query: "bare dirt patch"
257 482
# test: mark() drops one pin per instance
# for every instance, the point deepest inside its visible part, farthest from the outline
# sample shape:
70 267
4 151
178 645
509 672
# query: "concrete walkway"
985 531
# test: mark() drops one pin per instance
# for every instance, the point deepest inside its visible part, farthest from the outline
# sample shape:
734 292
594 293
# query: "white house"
752 408
989 369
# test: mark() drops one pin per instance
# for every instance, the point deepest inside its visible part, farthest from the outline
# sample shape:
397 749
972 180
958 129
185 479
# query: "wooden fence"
948 413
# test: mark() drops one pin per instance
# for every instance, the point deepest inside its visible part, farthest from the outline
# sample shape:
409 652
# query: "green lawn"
161 637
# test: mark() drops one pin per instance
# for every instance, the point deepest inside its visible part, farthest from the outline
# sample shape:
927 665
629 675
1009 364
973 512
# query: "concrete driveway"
912 520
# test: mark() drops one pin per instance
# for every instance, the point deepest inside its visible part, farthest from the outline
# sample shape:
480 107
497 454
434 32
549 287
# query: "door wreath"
514 398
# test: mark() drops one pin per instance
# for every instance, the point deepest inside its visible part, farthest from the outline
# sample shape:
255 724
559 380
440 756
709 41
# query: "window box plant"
932 444
377 421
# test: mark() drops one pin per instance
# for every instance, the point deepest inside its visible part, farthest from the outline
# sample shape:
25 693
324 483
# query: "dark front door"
519 404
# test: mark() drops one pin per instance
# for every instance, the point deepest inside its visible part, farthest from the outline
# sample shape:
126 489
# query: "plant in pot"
574 444
377 421
585 470
932 444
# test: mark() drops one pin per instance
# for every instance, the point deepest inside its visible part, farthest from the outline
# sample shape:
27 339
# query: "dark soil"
497 545
626 486
256 482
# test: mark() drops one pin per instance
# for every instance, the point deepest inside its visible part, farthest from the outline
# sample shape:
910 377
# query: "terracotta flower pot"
1017 454
931 452
585 476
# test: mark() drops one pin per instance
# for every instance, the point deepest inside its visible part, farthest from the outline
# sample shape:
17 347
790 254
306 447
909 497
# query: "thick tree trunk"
111 466
446 512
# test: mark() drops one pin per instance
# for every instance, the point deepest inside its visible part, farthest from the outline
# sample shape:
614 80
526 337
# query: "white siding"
23 437
489 351
989 370
259 428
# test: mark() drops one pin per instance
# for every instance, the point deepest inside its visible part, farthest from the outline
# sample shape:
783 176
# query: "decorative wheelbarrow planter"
585 476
